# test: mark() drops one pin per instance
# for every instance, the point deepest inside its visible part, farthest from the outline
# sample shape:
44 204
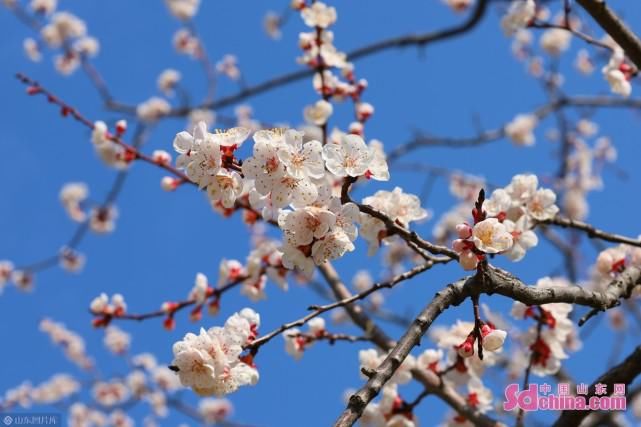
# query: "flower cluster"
555 41
546 344
211 362
265 260
106 308
459 366
65 31
72 196
390 411
284 169
316 234
117 340
400 207
618 73
110 393
58 388
505 221
109 151
72 344
208 161
320 53
297 342
519 15
147 381
22 279
614 260
186 43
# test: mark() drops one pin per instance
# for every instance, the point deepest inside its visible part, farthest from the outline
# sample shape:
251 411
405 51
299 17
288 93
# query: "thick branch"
496 281
503 283
615 27
452 295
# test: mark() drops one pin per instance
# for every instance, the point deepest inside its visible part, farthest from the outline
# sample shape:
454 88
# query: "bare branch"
592 231
419 40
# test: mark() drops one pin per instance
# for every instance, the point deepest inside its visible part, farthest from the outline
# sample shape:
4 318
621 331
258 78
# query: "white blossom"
518 16
167 81
491 236
319 113
32 49
87 46
556 41
271 25
520 130
499 202
110 393
46 7
302 160
349 158
319 15
210 362
152 109
522 187
72 195
103 219
183 9
214 410
226 187
523 238
618 81
228 66
117 340
542 205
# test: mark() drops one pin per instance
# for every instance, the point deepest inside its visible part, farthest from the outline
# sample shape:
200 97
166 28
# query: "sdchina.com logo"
536 398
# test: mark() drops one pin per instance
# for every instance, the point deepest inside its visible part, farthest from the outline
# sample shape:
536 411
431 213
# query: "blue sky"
162 239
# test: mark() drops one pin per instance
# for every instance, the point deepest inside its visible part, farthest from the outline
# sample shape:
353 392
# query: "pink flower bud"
121 127
364 111
468 260
356 128
459 245
466 349
298 4
168 183
161 157
464 231
486 329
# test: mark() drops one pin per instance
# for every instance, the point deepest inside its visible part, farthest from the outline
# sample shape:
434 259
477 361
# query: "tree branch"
592 231
496 281
362 52
615 27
